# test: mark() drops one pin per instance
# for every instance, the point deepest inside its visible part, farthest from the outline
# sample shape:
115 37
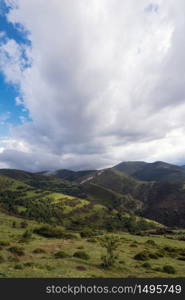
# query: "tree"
110 242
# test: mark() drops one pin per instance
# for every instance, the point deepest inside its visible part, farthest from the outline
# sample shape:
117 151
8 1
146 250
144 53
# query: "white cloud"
105 82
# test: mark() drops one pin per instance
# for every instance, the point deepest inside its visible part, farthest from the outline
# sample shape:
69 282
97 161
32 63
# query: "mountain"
151 190
130 167
70 175
157 171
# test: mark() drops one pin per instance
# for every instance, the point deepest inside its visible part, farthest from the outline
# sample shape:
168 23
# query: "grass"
45 264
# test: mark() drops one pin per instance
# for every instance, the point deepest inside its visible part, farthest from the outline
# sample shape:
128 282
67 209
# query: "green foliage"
91 240
1 259
146 265
19 267
39 251
27 235
110 243
150 243
153 255
4 243
61 254
169 269
82 255
142 256
23 224
19 251
87 232
49 231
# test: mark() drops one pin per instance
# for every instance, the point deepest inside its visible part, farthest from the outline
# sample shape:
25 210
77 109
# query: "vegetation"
110 243
40 257
97 227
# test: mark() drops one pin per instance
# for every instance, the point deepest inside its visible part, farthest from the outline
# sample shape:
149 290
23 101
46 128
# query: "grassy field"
37 257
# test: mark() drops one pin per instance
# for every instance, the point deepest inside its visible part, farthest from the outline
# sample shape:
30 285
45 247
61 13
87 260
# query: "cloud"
103 81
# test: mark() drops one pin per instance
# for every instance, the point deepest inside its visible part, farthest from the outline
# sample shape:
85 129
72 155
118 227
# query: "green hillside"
157 171
26 254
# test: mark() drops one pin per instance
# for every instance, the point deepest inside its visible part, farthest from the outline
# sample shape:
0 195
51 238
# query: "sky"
87 84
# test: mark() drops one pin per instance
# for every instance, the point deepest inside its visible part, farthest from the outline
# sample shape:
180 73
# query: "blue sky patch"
10 112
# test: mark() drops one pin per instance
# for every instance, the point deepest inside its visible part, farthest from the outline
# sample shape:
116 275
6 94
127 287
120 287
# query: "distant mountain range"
153 190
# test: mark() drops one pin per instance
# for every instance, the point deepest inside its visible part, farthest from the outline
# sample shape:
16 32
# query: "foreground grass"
44 264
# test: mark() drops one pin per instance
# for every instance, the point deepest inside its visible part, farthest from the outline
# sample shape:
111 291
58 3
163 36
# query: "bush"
182 258
81 268
150 242
169 249
24 224
142 256
27 235
87 232
19 267
4 244
91 240
16 250
61 254
169 269
39 251
53 232
146 265
160 253
110 243
1 259
29 264
153 255
82 255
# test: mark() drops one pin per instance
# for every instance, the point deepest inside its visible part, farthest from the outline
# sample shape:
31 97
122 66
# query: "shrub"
142 256
49 268
27 235
146 265
53 232
110 243
61 254
23 224
160 253
133 245
4 244
19 267
87 232
29 264
81 268
182 258
17 250
39 251
13 259
82 255
91 240
169 269
169 249
150 242
153 255
14 224
1 259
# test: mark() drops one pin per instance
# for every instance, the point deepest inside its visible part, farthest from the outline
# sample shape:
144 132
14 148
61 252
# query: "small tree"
110 242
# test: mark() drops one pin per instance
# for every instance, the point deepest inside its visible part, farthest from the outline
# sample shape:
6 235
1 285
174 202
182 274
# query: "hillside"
157 171
22 200
41 181
70 175
109 190
48 234
27 254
